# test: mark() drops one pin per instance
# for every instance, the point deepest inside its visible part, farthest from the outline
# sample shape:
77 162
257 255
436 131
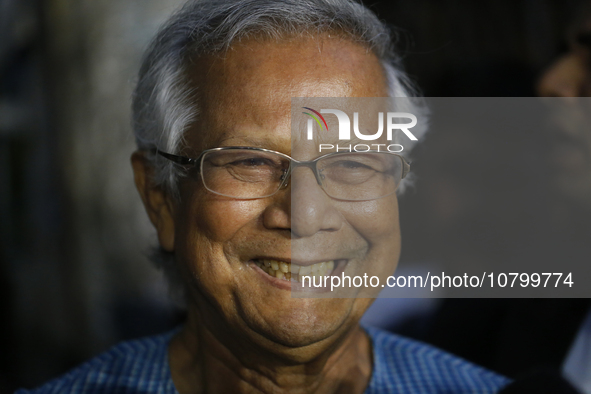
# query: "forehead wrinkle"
318 66
252 84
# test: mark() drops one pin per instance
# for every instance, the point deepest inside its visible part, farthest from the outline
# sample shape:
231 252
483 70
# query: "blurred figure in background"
570 76
544 343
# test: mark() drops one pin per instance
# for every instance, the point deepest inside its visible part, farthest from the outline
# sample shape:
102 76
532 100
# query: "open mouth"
293 272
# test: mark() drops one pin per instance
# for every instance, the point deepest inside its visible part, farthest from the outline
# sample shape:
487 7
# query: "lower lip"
294 285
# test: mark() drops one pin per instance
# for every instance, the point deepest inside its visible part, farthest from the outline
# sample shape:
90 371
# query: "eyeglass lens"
254 174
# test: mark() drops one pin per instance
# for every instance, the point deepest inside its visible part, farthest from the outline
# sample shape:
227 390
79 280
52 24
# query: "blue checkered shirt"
401 366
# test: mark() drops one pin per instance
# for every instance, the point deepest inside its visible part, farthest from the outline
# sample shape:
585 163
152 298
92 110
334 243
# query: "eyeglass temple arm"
182 160
405 167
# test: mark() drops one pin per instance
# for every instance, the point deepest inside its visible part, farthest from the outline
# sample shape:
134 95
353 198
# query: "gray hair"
164 105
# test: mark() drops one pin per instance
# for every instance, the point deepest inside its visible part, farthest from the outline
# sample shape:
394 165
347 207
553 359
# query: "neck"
204 360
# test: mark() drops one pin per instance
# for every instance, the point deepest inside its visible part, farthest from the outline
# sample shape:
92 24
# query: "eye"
349 164
357 162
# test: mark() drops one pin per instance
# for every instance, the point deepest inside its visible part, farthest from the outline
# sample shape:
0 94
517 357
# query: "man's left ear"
158 204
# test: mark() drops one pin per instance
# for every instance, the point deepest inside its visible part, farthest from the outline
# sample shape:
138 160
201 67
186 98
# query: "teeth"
288 271
305 270
330 266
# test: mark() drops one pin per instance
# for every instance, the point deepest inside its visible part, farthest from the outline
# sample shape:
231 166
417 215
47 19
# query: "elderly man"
212 123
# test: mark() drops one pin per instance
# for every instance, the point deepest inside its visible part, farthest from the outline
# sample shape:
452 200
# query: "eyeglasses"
251 173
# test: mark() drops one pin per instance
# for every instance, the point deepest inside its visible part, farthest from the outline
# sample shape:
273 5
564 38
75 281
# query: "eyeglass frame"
293 163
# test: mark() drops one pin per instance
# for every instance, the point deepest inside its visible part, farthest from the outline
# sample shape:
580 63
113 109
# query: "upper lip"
297 262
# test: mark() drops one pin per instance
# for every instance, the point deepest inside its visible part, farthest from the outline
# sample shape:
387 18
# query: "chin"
309 321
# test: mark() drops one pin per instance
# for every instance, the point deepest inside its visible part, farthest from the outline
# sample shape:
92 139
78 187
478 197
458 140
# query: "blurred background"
74 239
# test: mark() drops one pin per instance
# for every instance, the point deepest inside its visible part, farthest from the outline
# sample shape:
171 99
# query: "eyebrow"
245 140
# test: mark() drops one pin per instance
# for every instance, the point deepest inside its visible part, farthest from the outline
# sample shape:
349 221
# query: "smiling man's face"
245 100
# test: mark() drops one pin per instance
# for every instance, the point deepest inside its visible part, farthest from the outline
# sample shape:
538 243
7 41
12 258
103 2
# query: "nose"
312 210
304 207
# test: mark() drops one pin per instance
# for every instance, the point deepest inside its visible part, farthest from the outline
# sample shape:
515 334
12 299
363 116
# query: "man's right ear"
158 204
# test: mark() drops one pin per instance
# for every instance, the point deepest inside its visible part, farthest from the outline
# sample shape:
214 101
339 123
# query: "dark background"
74 276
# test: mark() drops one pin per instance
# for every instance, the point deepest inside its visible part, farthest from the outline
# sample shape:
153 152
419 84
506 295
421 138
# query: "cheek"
208 227
214 217
376 221
209 231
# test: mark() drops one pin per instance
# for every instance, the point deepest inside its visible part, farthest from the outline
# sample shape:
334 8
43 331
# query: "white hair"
164 104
